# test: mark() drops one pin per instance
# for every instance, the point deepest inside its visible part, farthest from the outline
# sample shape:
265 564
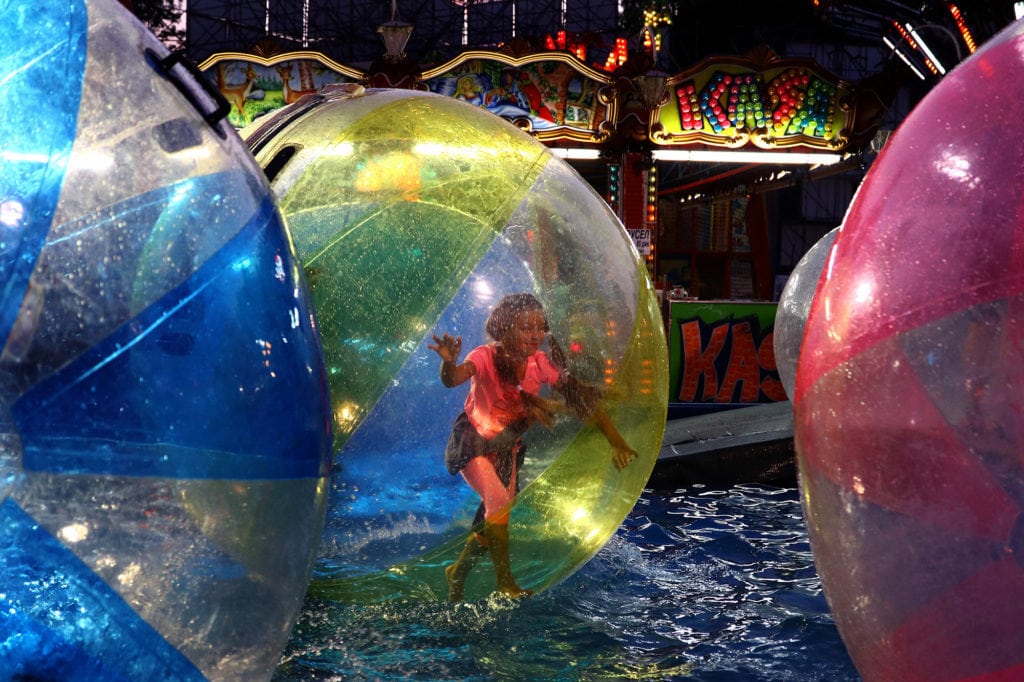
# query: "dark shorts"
465 443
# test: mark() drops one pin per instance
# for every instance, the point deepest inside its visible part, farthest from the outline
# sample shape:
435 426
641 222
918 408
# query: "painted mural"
255 87
767 102
549 98
722 352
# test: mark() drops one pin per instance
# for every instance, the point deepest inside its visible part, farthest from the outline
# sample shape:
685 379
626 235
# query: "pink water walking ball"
909 405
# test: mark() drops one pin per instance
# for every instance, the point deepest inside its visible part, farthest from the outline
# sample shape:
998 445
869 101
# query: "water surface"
697 584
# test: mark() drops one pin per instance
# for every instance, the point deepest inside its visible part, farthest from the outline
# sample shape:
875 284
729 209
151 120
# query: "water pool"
697 584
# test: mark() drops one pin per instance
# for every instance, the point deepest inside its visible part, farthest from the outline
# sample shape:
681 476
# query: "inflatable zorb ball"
164 446
794 307
909 405
413 215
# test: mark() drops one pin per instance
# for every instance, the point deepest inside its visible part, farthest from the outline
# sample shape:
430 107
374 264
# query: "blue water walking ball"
164 430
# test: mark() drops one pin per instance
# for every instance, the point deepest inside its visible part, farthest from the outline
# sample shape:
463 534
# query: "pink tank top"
492 405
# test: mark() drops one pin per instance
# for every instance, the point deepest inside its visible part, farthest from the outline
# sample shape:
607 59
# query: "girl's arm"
585 402
542 410
622 454
452 373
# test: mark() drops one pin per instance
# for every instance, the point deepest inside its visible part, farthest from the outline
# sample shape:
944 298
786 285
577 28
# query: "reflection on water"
697 584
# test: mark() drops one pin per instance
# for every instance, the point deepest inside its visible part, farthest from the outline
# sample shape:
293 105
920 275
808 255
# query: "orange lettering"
771 386
698 362
743 368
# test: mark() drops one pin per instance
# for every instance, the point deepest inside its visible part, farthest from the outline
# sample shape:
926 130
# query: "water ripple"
701 584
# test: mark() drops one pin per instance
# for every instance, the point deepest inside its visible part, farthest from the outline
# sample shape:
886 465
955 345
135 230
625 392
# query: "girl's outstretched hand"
622 456
448 348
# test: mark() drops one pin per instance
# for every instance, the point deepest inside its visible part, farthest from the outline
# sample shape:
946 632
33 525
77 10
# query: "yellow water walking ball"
413 214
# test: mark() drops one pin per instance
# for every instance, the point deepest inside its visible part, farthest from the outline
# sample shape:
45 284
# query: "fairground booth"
751 123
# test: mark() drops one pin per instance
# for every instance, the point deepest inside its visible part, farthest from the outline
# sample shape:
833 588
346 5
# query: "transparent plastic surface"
909 408
413 215
794 306
162 390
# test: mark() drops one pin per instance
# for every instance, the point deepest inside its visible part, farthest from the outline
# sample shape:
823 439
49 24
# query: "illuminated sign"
731 104
757 100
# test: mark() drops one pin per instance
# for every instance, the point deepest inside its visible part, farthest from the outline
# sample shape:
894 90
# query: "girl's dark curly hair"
581 398
501 321
507 311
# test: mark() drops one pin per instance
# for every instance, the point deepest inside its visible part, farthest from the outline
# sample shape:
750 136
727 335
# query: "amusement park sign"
760 100
778 103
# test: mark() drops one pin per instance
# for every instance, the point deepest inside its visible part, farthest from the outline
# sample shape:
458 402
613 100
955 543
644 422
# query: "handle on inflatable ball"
165 67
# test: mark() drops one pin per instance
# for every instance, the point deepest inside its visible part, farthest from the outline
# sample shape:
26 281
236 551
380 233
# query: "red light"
575 347
962 25
910 41
621 50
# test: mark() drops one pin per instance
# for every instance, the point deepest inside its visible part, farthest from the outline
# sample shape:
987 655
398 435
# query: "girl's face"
527 333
